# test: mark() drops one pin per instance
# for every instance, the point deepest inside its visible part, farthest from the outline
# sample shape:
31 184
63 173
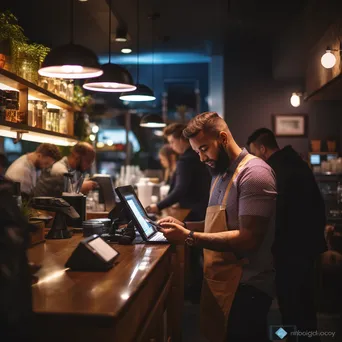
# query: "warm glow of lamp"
328 60
95 129
295 100
126 50
92 137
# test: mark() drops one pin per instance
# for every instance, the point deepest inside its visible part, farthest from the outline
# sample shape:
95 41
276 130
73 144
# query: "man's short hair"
208 122
263 136
175 130
83 149
49 150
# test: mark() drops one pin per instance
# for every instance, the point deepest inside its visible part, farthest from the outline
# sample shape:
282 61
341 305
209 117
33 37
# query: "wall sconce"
328 60
295 99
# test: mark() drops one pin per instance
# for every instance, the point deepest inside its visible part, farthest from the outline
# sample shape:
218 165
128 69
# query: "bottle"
17 194
39 114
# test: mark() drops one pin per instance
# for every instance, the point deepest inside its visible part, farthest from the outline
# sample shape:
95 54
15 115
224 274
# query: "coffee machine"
76 199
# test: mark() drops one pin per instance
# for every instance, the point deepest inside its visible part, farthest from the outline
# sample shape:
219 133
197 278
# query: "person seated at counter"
300 223
80 159
27 168
236 236
168 160
191 189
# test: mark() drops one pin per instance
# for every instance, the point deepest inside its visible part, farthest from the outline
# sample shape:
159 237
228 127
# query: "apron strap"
242 163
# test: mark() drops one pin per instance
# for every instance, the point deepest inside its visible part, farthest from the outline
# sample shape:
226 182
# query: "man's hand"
153 209
174 232
170 219
87 186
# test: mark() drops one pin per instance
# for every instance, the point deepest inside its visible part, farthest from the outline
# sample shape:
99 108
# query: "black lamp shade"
152 121
142 93
121 34
71 61
114 79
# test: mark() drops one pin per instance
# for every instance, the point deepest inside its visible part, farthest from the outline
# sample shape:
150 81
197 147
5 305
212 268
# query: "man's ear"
223 138
262 149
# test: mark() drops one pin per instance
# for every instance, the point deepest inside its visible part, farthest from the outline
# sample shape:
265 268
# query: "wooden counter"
140 299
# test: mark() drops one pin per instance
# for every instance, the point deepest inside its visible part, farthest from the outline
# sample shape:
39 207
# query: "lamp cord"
153 51
138 38
72 21
109 32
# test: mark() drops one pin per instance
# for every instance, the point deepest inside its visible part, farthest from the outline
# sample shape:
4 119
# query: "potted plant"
29 59
11 38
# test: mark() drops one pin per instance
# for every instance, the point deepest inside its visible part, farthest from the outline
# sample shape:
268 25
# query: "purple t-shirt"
253 192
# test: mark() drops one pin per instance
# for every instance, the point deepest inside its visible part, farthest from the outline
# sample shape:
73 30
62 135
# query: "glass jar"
63 127
12 105
44 114
39 114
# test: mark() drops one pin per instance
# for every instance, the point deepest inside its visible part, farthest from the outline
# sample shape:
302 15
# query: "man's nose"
203 157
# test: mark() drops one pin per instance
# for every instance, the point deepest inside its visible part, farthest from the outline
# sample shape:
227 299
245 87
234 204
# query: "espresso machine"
75 198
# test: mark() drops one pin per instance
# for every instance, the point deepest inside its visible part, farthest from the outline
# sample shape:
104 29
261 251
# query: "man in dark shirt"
299 235
192 177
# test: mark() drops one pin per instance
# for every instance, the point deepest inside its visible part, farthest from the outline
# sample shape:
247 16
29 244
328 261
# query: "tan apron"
222 271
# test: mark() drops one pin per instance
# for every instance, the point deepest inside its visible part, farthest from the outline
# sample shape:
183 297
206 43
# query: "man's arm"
195 226
248 239
183 181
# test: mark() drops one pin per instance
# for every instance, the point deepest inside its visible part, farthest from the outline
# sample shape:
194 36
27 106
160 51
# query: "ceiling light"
295 99
92 137
70 60
100 144
115 79
121 34
142 93
152 121
126 50
328 60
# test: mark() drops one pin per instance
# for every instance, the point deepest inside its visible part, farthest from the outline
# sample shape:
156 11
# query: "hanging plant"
79 98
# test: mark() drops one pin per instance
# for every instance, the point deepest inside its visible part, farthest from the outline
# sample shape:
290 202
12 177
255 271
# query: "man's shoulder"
58 168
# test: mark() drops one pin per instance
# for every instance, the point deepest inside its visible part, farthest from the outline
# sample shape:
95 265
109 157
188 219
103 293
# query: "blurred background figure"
16 315
168 160
3 165
26 169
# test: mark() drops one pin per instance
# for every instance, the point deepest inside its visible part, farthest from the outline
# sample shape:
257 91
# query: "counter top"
90 293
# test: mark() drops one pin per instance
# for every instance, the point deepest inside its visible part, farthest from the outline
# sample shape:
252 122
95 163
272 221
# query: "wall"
252 96
216 85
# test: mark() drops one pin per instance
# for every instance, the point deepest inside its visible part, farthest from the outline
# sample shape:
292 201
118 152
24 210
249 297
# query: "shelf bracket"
20 133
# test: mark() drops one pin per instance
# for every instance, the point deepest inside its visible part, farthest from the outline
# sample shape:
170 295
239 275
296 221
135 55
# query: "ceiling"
200 30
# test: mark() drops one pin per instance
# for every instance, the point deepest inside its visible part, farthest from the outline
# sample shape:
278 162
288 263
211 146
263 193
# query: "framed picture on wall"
290 125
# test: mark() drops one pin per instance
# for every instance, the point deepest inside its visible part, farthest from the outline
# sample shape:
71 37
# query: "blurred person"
27 168
192 179
16 316
3 165
237 235
300 218
168 160
80 159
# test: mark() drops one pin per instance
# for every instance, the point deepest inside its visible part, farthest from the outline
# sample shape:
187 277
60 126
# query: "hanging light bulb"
328 60
115 79
152 121
95 129
295 100
142 92
70 60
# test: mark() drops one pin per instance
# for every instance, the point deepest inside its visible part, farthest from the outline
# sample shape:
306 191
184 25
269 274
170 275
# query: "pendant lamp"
70 60
142 92
152 121
114 78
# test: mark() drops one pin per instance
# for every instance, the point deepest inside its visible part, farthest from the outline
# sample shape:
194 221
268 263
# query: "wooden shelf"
10 129
19 83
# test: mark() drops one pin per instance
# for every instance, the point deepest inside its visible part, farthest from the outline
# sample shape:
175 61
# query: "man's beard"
221 164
